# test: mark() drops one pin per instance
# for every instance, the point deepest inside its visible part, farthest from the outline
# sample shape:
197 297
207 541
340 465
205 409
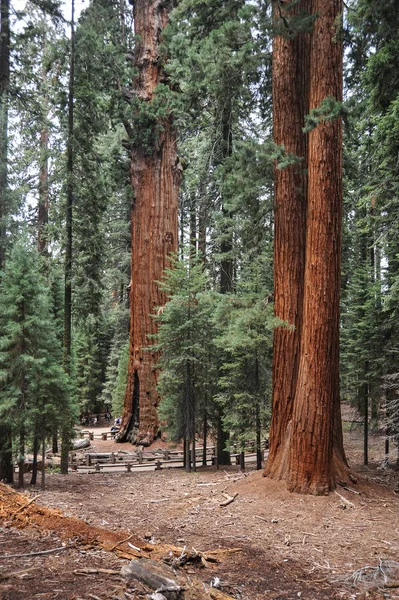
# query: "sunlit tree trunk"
155 179
290 105
316 404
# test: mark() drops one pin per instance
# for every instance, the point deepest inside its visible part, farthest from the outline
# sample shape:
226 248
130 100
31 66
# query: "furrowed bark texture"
306 446
290 104
317 394
155 180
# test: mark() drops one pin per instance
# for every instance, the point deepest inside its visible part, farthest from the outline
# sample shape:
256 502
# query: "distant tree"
6 468
34 395
187 355
244 326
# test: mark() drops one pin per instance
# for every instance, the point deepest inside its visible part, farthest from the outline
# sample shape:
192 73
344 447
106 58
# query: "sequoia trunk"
306 446
316 405
155 180
290 105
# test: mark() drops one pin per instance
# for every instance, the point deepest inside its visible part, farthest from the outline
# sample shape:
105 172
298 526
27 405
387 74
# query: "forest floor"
344 546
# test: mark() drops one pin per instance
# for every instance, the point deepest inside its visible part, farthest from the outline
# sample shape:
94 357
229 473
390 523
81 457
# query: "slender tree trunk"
187 455
223 455
205 437
155 180
43 174
35 453
65 431
6 466
43 479
317 395
194 454
21 459
364 390
291 64
242 461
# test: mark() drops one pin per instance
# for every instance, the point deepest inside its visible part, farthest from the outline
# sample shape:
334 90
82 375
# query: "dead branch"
95 571
4 576
345 500
229 500
120 543
25 506
37 553
349 489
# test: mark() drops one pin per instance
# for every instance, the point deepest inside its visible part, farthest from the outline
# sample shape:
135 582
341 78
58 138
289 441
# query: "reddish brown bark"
290 105
317 394
155 180
306 433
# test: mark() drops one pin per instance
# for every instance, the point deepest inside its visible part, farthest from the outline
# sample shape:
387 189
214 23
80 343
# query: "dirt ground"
344 546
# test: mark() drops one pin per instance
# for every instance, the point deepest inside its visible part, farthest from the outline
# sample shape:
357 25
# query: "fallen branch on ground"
36 553
345 500
25 506
120 543
229 500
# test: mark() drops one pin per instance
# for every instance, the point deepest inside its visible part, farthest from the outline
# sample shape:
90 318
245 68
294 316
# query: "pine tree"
34 391
185 339
244 338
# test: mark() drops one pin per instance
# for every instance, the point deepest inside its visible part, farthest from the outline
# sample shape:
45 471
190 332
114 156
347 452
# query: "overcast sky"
79 6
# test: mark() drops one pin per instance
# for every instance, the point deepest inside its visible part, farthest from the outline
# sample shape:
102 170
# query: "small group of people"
89 420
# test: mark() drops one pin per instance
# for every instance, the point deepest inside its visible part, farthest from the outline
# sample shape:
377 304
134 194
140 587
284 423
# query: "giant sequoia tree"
155 181
307 427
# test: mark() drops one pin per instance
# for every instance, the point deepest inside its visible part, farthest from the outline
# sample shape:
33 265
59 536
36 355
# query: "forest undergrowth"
268 543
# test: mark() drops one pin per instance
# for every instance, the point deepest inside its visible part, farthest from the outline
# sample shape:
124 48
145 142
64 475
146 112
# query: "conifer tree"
244 335
6 469
187 361
34 390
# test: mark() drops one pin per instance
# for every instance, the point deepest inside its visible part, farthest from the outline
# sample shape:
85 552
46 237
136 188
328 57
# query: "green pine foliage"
120 381
185 338
244 324
34 390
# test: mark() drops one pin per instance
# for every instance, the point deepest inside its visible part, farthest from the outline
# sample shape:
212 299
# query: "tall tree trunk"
43 174
226 269
66 427
291 63
43 193
6 466
155 179
316 404
205 438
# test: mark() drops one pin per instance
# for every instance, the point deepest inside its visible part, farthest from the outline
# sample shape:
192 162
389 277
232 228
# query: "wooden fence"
151 460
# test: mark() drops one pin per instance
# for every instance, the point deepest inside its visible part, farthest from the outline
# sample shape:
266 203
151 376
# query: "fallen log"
155 575
162 579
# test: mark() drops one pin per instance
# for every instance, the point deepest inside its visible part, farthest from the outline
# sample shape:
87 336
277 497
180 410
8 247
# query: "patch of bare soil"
291 546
